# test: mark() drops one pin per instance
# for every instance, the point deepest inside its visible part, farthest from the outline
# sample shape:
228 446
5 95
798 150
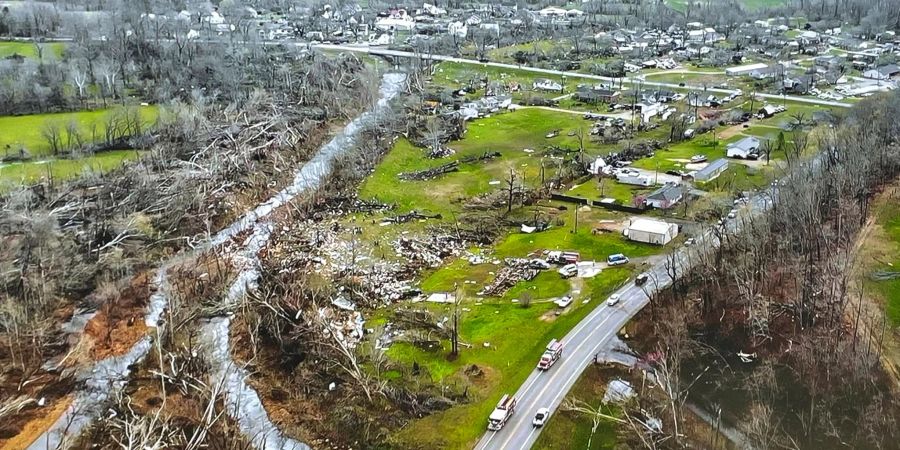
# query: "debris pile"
514 271
428 252
428 174
410 216
451 166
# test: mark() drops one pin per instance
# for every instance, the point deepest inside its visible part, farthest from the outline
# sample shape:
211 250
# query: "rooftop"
650 226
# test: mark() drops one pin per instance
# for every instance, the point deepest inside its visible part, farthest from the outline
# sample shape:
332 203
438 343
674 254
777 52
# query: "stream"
242 402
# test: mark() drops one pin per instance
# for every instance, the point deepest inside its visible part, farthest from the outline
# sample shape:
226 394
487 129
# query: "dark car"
641 279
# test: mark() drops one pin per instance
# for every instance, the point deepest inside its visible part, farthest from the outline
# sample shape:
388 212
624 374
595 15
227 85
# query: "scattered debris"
618 391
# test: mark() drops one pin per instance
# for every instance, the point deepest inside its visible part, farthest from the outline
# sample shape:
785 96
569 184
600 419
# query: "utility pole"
575 227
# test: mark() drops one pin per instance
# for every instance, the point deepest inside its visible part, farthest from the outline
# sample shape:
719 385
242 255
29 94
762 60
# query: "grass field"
884 252
26 131
28 49
450 74
15 174
509 133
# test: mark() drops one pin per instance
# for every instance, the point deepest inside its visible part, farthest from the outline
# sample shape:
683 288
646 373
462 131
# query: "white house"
651 231
396 21
649 110
458 29
743 148
633 178
544 84
597 166
552 11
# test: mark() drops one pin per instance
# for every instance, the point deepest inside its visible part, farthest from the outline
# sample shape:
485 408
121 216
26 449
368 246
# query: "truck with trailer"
551 355
501 414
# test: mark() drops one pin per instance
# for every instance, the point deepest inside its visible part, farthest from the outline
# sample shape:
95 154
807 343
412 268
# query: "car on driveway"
540 418
617 259
564 301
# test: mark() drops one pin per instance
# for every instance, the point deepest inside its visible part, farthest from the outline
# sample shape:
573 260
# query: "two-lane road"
546 389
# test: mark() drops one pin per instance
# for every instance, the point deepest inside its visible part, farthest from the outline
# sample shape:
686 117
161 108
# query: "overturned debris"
411 216
451 166
430 252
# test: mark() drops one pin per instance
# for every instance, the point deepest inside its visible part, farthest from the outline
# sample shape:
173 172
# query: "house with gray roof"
666 196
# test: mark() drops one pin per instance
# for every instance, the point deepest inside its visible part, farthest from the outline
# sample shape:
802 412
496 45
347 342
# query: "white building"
651 231
743 148
744 70
633 178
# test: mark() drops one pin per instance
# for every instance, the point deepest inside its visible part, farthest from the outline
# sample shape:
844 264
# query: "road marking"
557 374
524 392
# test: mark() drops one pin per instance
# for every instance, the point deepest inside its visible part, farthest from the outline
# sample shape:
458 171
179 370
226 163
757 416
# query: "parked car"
617 259
541 417
564 301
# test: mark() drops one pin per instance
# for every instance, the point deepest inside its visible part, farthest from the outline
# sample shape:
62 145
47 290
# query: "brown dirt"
32 428
119 323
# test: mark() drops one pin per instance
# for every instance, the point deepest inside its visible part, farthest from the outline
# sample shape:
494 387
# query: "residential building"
651 231
743 148
594 94
633 178
883 72
711 171
666 196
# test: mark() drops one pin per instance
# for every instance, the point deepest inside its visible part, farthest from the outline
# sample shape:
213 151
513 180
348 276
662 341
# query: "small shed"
651 231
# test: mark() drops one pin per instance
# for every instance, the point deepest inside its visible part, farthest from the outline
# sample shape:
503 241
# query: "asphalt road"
627 80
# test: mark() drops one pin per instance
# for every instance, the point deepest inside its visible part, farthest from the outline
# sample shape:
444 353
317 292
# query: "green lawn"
508 133
621 192
455 75
888 218
17 132
61 169
30 51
